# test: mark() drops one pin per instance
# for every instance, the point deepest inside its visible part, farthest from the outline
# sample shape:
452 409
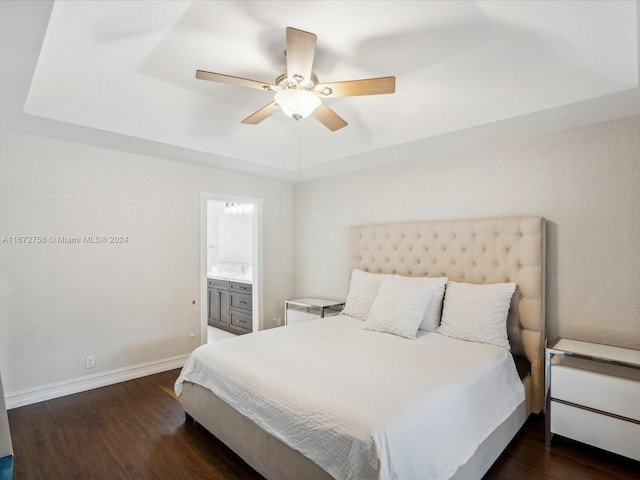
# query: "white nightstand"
303 309
593 395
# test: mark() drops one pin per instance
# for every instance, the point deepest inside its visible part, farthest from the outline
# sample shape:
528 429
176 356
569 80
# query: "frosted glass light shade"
297 103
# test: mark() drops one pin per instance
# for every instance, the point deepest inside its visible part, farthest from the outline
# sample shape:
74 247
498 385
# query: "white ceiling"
122 74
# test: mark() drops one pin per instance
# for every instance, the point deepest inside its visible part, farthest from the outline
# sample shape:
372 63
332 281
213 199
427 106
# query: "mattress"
363 404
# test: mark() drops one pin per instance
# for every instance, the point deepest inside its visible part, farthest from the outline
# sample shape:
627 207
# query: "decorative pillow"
362 293
477 313
399 306
436 285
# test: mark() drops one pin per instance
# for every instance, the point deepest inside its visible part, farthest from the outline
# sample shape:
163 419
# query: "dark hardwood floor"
136 430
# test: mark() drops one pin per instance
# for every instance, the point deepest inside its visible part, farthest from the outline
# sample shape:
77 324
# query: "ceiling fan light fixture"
298 93
297 103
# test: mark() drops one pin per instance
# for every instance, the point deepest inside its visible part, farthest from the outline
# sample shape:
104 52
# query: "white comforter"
362 404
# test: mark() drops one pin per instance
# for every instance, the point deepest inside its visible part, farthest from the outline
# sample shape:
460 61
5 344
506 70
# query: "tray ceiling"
128 68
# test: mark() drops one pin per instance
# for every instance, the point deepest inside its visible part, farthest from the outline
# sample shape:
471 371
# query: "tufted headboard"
489 250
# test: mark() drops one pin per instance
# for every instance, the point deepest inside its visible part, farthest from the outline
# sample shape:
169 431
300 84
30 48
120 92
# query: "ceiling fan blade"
354 88
329 118
261 114
231 80
301 48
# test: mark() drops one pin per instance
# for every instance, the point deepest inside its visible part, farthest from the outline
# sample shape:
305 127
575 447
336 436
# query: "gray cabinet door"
218 307
224 308
214 307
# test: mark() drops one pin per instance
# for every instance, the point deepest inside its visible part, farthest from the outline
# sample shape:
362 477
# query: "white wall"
127 304
584 181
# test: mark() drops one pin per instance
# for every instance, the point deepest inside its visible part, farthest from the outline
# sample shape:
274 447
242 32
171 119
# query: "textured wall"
127 304
584 181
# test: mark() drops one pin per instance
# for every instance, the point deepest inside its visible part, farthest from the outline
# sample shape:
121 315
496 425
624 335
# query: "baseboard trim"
89 382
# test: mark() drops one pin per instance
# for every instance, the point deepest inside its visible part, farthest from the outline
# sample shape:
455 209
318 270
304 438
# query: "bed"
330 399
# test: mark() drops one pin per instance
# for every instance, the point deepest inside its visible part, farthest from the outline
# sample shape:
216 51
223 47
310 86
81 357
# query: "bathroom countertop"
231 277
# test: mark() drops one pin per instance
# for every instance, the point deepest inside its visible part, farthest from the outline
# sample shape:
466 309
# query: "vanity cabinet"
230 306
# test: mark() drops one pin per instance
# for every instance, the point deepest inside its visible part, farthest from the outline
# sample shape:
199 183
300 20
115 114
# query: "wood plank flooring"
136 430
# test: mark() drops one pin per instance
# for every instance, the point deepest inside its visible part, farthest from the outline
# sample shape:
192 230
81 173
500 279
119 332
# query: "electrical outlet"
91 361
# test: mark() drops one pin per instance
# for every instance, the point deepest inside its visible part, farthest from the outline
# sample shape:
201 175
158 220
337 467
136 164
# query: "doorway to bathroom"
231 252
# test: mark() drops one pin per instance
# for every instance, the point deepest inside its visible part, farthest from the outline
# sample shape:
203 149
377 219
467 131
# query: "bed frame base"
275 460
266 454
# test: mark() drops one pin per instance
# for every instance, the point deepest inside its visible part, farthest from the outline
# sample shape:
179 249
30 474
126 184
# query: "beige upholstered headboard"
489 250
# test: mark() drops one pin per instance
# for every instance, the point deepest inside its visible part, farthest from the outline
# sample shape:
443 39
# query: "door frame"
257 258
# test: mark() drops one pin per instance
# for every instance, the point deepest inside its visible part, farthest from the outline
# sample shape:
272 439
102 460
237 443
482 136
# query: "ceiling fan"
298 92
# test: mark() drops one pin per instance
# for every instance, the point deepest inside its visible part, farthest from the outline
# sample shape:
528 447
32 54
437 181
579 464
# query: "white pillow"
362 293
399 306
431 319
477 313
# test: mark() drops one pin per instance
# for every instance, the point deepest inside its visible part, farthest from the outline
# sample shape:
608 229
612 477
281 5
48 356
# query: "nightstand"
593 395
303 309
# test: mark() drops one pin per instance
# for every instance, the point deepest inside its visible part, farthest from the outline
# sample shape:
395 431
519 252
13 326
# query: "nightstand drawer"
609 388
601 431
